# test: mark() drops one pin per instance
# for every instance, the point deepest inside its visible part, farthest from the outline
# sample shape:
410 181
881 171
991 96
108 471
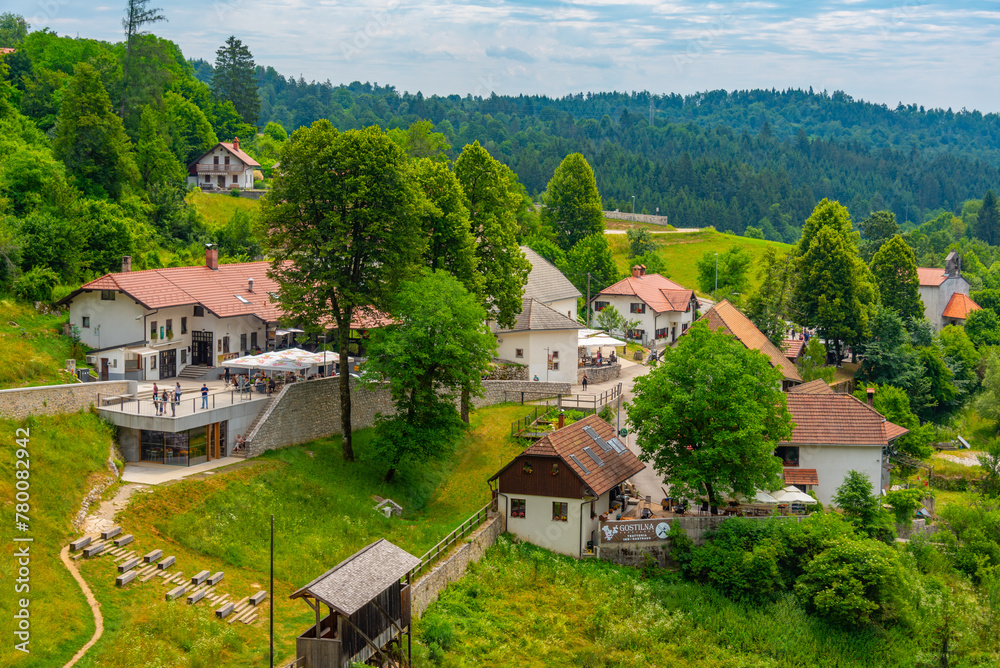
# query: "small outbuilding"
368 601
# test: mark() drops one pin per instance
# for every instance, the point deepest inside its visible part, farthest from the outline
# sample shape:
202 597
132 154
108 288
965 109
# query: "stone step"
124 540
258 598
126 566
176 592
152 556
166 563
200 577
125 578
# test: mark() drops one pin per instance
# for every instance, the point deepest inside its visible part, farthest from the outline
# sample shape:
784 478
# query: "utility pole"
716 272
588 300
633 207
270 604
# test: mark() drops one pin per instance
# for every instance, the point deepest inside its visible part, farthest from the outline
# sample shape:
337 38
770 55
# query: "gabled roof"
216 290
233 148
931 276
793 348
568 445
354 582
729 318
798 476
838 419
960 306
818 386
546 283
536 316
657 292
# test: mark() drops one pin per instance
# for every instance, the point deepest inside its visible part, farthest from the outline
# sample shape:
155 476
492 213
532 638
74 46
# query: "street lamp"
633 207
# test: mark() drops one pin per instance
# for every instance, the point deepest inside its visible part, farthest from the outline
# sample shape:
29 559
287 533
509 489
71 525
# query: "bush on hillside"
36 285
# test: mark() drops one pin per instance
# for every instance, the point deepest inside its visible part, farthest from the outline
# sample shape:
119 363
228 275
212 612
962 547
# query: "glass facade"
183 448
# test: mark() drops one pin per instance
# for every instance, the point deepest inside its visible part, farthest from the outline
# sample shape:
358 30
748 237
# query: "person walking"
156 399
177 399
204 396
227 375
584 382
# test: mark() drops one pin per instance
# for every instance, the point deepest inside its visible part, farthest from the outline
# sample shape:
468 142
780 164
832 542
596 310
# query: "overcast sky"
933 54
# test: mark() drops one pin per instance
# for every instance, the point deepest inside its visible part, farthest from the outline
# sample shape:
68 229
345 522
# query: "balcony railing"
219 169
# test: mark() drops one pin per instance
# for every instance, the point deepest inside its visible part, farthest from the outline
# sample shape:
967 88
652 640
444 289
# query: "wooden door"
104 368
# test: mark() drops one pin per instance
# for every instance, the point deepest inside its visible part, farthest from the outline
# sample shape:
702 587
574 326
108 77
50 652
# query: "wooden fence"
439 550
591 402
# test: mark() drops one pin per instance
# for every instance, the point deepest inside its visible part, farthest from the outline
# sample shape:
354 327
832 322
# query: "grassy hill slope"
217 209
33 350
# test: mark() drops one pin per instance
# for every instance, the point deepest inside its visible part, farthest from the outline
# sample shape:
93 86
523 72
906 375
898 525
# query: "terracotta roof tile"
570 441
729 318
657 292
216 290
930 276
793 348
243 157
818 386
838 419
960 306
801 477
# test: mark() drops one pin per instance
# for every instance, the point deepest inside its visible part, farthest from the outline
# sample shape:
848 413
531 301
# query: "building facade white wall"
538 526
670 324
832 463
529 348
235 174
565 306
936 298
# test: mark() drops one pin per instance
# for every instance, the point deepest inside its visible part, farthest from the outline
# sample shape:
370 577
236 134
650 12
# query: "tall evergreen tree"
877 228
492 198
235 79
572 203
894 268
988 220
91 140
137 15
767 308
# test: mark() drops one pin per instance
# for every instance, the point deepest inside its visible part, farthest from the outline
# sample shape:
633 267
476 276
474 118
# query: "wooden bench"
80 543
125 578
166 563
111 533
177 592
196 596
124 540
152 556
200 577
258 598
215 579
126 566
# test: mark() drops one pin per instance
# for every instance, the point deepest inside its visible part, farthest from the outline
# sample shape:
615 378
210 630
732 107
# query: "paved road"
647 481
680 230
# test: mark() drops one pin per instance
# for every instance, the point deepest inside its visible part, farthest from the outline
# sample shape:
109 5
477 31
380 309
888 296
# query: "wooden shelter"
368 598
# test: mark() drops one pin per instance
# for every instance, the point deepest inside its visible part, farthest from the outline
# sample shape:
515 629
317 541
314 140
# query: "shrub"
752 232
904 503
853 583
855 498
36 285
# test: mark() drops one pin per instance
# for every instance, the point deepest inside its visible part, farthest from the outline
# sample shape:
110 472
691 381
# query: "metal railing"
591 402
523 425
300 662
467 527
208 169
170 408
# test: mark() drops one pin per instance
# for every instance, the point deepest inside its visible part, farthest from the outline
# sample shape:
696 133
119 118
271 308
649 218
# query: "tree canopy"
235 80
709 416
572 205
894 269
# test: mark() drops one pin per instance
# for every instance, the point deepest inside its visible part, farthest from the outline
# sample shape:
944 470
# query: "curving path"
91 601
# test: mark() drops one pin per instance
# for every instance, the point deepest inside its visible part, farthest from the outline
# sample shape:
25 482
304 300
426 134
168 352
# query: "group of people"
164 397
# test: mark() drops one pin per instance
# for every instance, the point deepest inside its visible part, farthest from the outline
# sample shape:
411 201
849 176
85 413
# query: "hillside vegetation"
33 350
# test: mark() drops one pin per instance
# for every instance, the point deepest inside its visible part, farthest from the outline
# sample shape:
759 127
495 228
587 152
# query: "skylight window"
589 431
576 461
243 299
593 455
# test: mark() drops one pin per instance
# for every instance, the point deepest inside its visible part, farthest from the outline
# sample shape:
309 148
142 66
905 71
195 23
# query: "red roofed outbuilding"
945 293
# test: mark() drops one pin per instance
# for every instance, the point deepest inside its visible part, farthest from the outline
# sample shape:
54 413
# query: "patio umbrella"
791 494
760 497
601 340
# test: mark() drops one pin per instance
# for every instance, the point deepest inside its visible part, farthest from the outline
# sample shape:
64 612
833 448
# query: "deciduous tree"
440 348
876 229
590 255
137 15
894 268
710 415
732 274
343 231
767 307
572 205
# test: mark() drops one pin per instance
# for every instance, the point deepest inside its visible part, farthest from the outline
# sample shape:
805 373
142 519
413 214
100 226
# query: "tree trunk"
345 386
464 405
712 501
390 474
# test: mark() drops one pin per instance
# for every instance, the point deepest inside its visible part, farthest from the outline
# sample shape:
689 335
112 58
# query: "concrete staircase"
253 425
194 372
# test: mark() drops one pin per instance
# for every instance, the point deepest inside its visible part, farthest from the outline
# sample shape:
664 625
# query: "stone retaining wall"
427 588
634 553
599 374
309 410
21 402
637 217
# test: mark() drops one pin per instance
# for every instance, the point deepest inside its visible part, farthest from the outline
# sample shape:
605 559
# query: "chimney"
250 281
236 143
871 396
642 270
126 263
562 420
636 272
212 258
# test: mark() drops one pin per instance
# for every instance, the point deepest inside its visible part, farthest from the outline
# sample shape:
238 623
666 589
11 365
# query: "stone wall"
308 410
507 370
252 194
637 217
634 553
429 585
53 399
599 374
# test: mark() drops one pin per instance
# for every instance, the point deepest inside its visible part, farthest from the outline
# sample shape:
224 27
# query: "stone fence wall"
431 584
305 411
637 217
634 553
599 374
21 402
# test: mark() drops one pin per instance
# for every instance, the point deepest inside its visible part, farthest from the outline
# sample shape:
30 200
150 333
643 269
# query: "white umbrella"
603 340
760 497
791 494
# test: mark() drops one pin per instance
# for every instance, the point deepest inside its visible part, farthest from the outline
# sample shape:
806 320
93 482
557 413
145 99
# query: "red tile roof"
931 276
229 146
7 49
801 477
960 306
726 316
793 348
569 442
657 292
818 386
216 290
838 419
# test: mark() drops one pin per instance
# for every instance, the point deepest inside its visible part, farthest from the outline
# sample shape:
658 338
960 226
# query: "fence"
591 402
522 427
466 528
532 395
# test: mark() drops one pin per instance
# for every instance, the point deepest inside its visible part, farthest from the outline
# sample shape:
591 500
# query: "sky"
910 51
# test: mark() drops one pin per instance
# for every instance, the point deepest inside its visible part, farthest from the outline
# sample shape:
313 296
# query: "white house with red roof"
223 167
945 293
663 308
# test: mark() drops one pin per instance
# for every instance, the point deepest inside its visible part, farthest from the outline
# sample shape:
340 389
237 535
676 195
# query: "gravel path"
964 460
